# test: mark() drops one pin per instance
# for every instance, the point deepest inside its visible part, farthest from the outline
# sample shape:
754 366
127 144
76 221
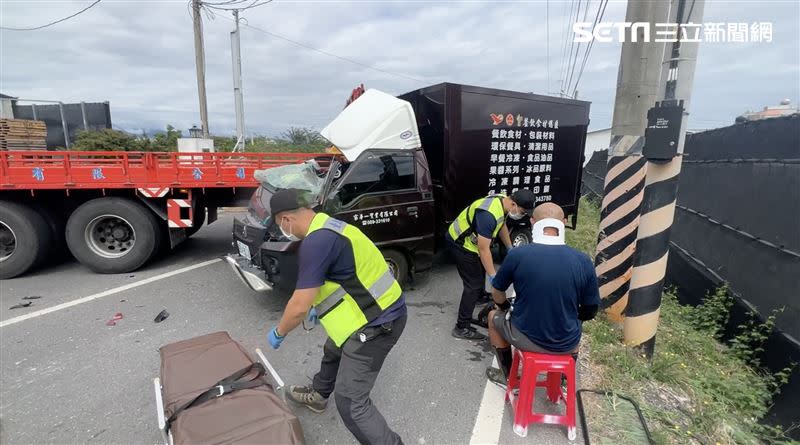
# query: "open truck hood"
374 120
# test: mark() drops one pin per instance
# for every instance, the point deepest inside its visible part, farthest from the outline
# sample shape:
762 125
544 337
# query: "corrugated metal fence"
738 221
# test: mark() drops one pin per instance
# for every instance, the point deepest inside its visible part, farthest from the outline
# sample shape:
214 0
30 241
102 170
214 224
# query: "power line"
321 51
548 45
230 5
51 23
567 44
597 19
578 48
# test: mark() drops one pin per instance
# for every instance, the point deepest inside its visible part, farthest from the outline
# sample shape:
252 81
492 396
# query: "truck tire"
24 239
199 217
112 235
521 236
398 264
56 222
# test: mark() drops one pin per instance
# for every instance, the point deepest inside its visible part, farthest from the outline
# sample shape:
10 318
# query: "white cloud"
139 55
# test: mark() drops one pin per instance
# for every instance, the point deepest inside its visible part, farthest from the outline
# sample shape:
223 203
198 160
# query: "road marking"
105 293
490 414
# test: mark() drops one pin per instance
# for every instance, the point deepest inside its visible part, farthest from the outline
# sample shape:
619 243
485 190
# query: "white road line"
105 293
490 414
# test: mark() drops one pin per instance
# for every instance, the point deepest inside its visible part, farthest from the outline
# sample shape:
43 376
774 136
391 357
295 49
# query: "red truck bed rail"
41 170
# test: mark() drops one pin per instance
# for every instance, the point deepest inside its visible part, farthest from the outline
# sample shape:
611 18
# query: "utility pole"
637 90
663 168
236 55
200 64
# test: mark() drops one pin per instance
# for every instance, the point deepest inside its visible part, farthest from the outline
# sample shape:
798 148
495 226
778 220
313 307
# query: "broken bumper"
250 275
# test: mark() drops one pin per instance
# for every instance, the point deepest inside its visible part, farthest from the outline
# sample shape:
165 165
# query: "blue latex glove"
274 339
312 316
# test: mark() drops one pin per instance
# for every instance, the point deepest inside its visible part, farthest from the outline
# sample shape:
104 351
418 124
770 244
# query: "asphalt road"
66 377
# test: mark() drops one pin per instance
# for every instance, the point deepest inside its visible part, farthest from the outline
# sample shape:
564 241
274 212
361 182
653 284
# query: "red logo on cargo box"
510 119
496 118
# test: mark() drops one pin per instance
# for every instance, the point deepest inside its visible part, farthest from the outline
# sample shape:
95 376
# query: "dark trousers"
470 269
352 370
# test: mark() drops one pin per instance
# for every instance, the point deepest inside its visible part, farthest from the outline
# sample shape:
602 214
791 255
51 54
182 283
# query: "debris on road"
32 297
21 305
113 322
161 316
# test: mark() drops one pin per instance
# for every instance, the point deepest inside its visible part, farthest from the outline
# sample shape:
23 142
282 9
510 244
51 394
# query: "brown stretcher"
212 392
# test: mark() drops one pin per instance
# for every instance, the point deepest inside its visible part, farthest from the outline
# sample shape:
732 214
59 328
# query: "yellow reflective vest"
462 230
347 306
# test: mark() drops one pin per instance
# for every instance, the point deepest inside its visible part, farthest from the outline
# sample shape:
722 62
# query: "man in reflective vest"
345 284
470 237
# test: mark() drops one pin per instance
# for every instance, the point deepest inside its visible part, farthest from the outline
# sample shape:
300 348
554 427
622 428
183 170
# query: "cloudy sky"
139 56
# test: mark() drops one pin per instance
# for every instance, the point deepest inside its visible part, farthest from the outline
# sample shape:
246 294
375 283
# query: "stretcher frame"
166 435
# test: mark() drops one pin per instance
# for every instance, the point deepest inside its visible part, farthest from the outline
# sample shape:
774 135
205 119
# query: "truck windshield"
297 176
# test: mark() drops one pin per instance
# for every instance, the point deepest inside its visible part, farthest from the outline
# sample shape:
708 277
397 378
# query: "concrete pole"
236 55
661 189
637 90
200 65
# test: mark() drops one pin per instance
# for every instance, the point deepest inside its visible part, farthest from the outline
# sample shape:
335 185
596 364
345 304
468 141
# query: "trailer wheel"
24 239
398 264
521 236
112 235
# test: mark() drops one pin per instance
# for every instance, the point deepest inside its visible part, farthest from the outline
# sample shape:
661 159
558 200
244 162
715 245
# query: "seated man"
556 289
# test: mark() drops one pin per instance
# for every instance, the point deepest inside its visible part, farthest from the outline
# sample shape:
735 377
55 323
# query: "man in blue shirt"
326 255
556 290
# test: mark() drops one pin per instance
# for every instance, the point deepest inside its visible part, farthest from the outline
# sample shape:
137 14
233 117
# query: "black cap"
525 199
283 200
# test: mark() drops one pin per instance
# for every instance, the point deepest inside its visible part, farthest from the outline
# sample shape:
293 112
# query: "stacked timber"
22 134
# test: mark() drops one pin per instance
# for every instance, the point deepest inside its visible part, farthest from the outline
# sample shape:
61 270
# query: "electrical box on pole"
663 131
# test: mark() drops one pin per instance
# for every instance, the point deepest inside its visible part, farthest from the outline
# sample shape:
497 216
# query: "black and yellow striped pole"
619 219
650 258
638 83
664 140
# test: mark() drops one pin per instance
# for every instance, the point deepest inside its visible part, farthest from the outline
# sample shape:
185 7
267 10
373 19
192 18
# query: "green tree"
109 140
166 141
302 136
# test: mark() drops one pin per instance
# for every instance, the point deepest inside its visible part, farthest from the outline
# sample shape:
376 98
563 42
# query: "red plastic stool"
522 403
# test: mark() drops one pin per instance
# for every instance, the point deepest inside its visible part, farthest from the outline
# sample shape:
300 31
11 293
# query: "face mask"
289 235
538 232
516 216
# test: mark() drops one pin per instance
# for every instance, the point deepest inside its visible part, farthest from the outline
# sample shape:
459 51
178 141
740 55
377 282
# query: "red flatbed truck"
114 211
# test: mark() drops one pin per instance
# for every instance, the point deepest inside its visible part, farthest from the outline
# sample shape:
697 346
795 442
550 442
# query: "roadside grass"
695 389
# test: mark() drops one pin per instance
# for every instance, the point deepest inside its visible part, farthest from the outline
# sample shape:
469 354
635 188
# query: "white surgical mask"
289 235
515 216
539 236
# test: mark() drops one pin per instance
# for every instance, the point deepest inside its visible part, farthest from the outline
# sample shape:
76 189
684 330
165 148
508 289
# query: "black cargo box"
481 140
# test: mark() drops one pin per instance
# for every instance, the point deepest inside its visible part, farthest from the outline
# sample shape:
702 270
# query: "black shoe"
467 334
497 377
483 299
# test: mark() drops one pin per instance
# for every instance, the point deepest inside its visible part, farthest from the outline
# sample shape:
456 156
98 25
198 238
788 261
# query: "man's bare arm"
485 253
296 309
505 237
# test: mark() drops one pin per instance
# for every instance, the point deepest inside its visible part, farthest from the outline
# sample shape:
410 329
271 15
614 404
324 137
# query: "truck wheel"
24 239
199 217
398 265
521 236
112 235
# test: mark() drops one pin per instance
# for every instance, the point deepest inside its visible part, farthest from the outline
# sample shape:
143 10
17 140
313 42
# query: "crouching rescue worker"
343 283
556 289
470 237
